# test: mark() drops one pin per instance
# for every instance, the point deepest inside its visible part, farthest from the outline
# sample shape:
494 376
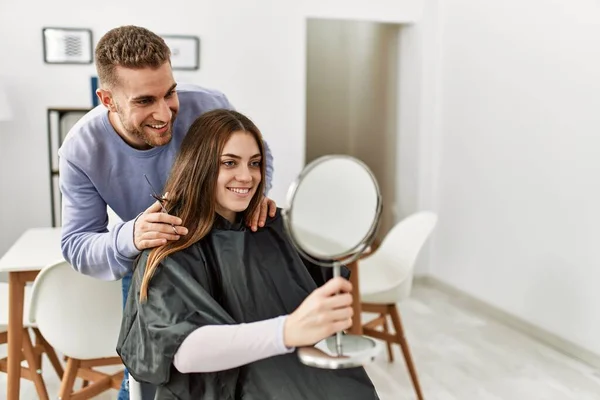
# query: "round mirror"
333 212
333 209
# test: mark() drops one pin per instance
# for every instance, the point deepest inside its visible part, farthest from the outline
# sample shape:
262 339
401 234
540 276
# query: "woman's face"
239 174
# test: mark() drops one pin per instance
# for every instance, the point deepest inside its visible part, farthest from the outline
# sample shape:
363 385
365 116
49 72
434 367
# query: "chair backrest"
113 218
135 389
404 241
79 316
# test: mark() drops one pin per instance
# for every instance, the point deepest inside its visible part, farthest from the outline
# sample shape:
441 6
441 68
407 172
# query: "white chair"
80 317
386 277
31 353
113 218
135 389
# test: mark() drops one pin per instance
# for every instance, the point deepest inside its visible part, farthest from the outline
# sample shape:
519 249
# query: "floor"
459 354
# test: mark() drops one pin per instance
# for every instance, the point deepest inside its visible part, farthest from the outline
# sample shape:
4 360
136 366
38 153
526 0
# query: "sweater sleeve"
86 242
215 348
270 169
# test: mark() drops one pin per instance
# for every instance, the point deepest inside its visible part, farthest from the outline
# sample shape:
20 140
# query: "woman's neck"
228 215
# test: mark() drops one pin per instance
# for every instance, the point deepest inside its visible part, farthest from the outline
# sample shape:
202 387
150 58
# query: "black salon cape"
232 276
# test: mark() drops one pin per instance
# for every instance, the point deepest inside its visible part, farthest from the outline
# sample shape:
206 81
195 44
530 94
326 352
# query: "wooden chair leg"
35 371
38 356
49 350
66 385
395 314
386 329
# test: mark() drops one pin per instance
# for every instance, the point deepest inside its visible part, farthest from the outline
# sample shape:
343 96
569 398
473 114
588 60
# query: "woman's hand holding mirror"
324 312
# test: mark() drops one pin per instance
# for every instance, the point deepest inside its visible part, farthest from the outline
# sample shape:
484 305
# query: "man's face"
144 105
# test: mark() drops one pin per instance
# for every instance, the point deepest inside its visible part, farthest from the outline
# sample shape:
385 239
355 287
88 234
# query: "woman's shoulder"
276 220
186 259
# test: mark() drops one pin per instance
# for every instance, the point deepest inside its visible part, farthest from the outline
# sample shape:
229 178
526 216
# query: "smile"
240 190
158 126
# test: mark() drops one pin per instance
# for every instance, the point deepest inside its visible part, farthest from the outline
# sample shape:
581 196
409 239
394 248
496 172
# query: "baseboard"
564 346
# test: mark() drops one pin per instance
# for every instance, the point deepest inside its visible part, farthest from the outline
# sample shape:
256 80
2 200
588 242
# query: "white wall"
253 51
518 190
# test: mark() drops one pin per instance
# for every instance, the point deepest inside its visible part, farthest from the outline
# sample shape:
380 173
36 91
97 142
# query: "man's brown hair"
129 47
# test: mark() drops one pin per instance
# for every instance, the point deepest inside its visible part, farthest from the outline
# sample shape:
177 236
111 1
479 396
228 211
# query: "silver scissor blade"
154 192
155 195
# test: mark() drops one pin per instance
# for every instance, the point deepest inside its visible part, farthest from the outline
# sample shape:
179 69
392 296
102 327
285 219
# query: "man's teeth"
158 126
240 191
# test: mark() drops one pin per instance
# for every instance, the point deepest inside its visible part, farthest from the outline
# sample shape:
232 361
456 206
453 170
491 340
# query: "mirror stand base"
356 351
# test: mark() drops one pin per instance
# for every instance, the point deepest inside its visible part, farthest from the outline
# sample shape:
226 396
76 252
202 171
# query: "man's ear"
106 98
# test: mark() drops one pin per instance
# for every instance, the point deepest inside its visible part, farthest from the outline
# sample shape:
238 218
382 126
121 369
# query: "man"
136 131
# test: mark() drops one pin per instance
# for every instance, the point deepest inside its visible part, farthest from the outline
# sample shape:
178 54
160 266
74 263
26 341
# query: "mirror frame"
352 254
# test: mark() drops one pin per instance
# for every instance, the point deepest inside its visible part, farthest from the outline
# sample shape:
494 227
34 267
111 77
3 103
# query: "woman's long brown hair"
191 185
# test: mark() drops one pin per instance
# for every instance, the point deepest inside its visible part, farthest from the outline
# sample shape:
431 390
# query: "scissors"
161 201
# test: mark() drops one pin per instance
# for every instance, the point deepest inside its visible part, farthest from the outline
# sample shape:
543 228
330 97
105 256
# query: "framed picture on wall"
67 45
185 51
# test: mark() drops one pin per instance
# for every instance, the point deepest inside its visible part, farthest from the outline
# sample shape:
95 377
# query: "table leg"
356 328
16 295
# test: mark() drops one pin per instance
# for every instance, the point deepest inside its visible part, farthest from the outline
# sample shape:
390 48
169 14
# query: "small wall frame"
185 51
67 45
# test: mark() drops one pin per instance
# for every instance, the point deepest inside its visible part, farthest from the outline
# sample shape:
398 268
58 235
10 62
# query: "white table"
35 249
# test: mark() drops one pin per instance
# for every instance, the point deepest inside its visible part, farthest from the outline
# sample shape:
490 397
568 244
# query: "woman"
218 314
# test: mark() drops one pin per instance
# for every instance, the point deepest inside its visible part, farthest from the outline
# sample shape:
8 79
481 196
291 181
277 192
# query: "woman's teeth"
240 191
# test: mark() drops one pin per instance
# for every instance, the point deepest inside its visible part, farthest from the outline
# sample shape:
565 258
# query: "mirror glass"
334 207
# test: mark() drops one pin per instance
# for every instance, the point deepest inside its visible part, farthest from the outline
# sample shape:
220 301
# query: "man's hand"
153 228
260 215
